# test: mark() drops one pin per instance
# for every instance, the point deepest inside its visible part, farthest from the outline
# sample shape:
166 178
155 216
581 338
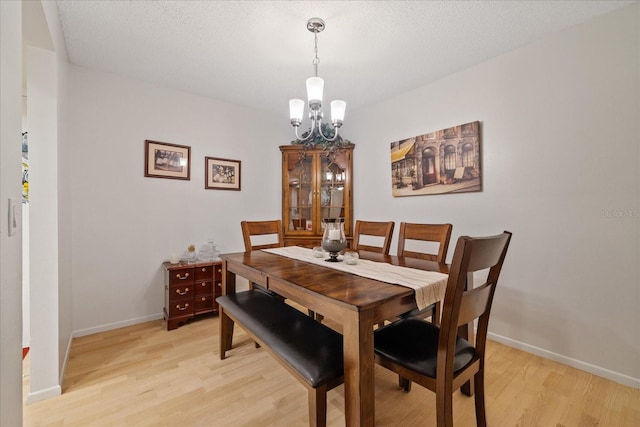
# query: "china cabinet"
316 184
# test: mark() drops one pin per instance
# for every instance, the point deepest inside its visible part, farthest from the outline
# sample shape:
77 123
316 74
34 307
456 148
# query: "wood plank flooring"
144 375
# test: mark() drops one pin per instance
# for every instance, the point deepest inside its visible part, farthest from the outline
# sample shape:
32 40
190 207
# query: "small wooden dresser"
190 290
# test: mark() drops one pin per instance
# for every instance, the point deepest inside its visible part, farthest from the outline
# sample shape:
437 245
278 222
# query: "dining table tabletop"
354 302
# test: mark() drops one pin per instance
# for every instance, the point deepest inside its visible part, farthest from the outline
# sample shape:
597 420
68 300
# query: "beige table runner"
429 286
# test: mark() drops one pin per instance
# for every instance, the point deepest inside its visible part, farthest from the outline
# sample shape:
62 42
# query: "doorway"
429 175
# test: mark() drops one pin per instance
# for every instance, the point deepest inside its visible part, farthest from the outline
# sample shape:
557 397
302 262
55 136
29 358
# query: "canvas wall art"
440 162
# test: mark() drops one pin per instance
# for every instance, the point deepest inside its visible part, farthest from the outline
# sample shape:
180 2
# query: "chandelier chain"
316 60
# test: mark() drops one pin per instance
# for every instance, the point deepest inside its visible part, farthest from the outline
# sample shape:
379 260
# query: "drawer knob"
204 269
186 275
204 299
182 308
186 291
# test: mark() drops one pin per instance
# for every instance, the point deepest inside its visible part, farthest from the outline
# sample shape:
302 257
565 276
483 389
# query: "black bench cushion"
413 343
311 348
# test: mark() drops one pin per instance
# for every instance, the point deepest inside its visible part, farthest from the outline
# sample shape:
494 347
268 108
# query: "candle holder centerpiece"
333 239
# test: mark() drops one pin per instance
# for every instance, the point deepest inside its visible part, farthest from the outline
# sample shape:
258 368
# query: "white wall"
45 59
125 225
42 123
560 153
10 246
64 195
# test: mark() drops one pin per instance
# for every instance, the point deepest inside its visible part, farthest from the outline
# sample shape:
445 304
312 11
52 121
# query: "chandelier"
315 86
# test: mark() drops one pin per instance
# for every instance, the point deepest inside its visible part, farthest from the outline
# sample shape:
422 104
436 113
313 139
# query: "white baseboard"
43 394
116 325
574 363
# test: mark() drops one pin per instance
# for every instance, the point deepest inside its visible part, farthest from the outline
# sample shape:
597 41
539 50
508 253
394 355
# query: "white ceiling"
259 53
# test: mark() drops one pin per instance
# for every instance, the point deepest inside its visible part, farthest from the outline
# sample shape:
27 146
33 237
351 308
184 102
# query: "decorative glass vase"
208 251
333 239
190 256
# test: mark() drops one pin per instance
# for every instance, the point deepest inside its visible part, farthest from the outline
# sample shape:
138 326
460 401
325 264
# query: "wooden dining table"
356 303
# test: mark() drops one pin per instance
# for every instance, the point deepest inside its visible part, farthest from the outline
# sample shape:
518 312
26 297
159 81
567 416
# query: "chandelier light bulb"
315 87
296 109
337 111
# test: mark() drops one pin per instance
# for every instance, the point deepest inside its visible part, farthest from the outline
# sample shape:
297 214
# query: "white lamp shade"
315 87
296 108
337 110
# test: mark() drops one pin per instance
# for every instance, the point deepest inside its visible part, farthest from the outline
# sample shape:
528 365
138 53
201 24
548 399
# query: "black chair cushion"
413 343
311 348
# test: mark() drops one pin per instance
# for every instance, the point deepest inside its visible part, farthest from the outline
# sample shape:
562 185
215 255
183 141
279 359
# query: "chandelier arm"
298 137
335 136
311 131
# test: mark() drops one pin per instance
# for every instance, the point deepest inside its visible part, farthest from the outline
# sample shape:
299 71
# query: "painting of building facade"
444 161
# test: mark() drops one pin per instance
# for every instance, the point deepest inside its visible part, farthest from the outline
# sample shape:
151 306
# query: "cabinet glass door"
332 182
300 195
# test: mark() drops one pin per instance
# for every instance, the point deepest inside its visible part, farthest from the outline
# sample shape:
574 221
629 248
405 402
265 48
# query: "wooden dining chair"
374 229
421 235
268 233
435 356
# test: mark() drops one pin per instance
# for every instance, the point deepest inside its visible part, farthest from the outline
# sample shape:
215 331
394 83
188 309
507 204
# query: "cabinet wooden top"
167 265
300 147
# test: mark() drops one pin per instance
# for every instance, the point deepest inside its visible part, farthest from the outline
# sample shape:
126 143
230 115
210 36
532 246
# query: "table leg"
226 333
226 324
359 383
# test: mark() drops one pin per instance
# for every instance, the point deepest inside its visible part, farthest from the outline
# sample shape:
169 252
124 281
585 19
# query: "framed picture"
440 162
164 160
221 174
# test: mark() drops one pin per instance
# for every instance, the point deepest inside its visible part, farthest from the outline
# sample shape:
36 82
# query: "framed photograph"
221 174
164 160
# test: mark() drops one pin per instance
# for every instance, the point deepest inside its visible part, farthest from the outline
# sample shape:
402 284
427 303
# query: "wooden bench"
311 351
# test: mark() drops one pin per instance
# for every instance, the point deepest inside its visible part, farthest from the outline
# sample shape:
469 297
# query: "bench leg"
318 406
226 333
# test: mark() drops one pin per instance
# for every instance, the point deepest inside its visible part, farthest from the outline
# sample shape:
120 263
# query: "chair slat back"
439 233
475 303
262 228
382 229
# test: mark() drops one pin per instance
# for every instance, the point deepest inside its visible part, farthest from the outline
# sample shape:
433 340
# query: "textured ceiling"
259 53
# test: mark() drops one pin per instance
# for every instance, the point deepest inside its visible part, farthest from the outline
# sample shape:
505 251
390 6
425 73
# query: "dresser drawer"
181 276
181 292
181 308
204 303
204 288
204 273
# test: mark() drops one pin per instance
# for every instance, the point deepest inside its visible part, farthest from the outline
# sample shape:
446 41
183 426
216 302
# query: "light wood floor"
144 375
